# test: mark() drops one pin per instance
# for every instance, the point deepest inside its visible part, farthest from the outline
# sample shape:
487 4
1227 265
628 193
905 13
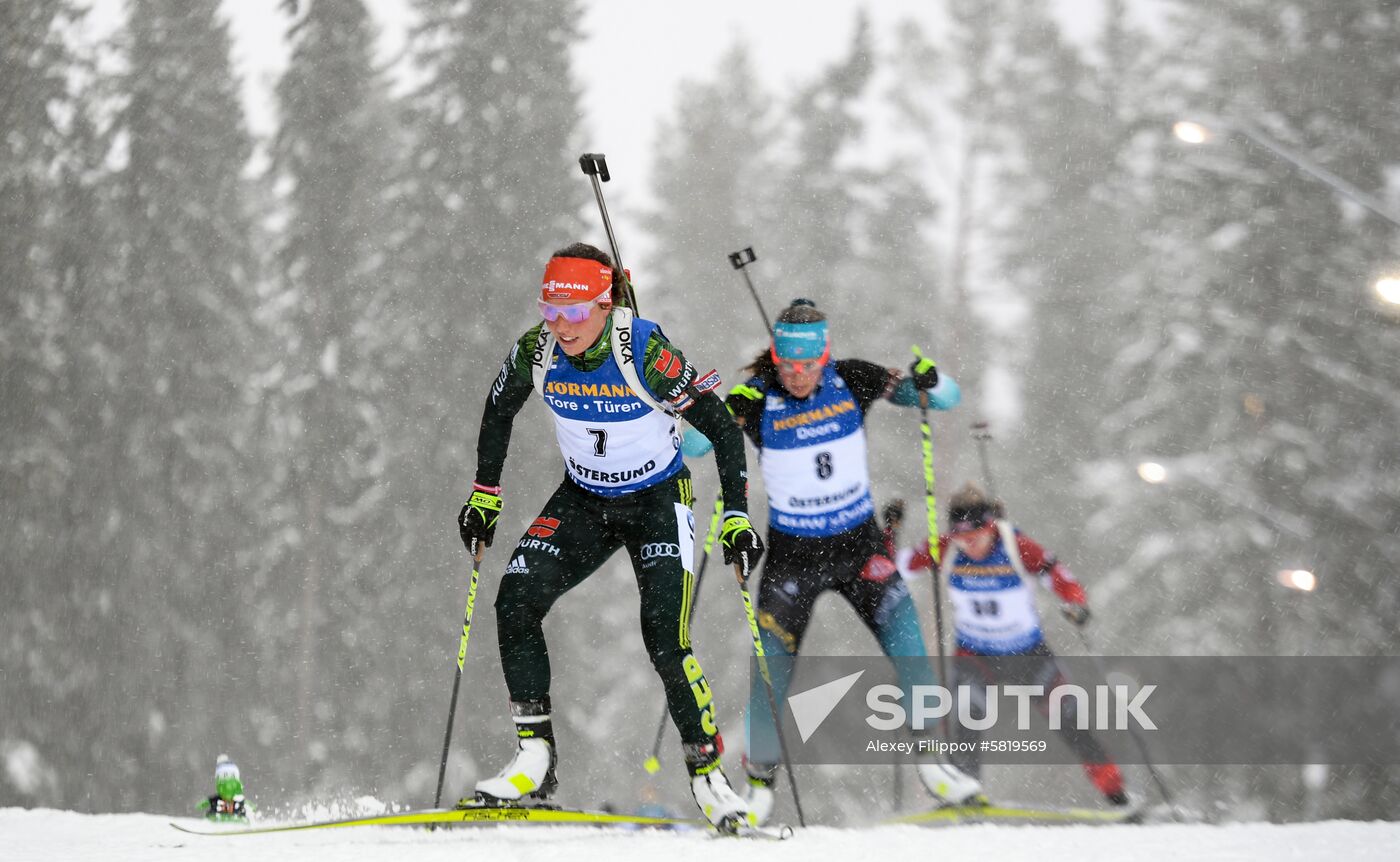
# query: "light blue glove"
944 396
694 444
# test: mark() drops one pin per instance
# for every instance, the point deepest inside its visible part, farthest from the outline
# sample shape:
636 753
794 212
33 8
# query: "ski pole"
741 572
931 506
653 763
983 436
457 680
740 259
1141 744
890 534
595 166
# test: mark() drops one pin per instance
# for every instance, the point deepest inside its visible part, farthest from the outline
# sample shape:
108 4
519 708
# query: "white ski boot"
718 801
530 774
949 784
761 797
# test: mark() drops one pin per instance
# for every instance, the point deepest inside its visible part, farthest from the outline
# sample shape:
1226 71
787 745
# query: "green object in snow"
227 779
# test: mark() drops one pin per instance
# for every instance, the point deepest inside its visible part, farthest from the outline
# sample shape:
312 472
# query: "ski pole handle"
740 259
595 164
983 435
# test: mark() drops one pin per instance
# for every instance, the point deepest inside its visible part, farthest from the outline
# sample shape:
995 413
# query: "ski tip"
735 828
207 829
765 833
652 765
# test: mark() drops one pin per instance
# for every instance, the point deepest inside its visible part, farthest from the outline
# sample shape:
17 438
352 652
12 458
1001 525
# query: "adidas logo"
517 566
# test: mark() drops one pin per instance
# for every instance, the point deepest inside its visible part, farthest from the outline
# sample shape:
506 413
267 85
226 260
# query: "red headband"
572 279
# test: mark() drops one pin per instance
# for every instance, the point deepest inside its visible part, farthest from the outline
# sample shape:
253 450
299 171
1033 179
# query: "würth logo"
543 527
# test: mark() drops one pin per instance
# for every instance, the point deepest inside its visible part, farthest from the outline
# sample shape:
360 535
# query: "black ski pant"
796 573
1036 666
575 533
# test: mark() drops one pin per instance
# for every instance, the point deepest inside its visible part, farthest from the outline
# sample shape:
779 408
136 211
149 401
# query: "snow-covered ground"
57 836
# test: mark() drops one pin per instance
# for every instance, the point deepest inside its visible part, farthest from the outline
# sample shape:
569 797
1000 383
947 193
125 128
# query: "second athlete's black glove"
476 523
1077 614
924 372
741 543
893 514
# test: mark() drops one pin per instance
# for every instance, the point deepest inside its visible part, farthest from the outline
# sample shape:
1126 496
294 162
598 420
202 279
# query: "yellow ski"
1009 814
482 816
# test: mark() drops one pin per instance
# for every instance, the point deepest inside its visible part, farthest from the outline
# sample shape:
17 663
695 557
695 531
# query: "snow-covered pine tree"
333 407
811 244
492 188
177 329
1257 370
47 375
712 180
1069 249
495 184
1262 371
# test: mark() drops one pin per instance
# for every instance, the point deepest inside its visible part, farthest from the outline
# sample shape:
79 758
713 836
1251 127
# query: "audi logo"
660 549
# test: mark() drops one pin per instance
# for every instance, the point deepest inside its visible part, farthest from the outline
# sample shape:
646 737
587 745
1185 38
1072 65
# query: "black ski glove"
924 372
893 514
1077 614
477 520
741 543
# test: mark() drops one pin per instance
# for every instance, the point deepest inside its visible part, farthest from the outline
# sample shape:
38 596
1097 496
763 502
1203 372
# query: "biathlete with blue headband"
616 389
806 414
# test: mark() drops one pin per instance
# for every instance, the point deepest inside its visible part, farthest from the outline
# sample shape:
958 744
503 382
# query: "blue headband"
800 340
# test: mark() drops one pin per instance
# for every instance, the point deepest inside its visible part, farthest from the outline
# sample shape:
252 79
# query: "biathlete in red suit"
987 565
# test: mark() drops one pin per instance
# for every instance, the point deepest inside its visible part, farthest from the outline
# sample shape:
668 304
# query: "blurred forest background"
239 396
